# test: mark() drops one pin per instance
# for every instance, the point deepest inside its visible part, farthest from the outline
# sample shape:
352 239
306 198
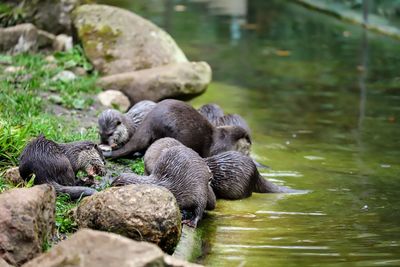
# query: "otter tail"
75 192
264 186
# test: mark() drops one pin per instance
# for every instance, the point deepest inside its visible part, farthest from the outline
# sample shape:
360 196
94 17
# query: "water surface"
322 98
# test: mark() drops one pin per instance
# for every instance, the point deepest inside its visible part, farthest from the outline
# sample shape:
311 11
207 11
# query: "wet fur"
116 128
185 174
57 164
176 119
235 176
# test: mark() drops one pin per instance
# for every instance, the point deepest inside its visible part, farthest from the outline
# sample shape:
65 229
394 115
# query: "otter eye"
118 123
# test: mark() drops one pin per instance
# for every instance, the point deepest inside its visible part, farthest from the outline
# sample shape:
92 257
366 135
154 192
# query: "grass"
64 219
25 93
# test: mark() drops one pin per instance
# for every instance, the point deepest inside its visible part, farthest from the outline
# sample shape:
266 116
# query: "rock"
64 76
117 40
50 15
179 79
112 98
13 69
3 263
23 38
62 42
12 176
79 71
141 212
26 222
100 249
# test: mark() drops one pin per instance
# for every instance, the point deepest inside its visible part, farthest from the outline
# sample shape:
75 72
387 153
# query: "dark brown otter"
154 151
212 112
185 174
153 154
116 129
215 115
176 119
235 176
57 164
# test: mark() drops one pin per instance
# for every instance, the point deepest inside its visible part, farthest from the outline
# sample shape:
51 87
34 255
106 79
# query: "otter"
182 171
57 164
116 129
177 119
215 115
153 154
212 112
154 151
235 176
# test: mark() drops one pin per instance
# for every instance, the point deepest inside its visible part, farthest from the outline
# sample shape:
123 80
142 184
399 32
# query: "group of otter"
199 155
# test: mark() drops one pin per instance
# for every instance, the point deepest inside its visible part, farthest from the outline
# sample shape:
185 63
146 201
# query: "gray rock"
26 222
113 98
117 40
3 263
95 248
64 76
62 42
141 212
174 80
18 39
12 176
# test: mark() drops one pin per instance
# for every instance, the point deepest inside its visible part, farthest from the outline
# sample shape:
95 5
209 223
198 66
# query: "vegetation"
28 92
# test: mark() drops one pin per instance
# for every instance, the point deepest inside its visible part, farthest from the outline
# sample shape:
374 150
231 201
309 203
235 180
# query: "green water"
323 101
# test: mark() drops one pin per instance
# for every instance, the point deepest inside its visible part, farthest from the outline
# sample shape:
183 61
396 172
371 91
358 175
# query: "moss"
98 40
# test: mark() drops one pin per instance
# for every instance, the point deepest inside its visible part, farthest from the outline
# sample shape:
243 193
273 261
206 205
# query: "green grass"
24 96
64 218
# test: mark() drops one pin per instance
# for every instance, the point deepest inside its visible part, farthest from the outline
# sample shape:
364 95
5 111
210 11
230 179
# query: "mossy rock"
117 40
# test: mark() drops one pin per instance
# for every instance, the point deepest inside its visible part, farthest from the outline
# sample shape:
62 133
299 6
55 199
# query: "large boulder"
173 80
141 212
24 38
51 15
117 40
95 248
26 222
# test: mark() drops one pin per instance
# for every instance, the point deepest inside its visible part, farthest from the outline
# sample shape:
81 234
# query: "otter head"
113 129
212 112
91 159
228 138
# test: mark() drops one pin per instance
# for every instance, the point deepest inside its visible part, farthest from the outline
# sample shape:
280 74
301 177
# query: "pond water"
323 100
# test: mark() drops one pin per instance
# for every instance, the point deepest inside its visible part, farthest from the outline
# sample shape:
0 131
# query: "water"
322 98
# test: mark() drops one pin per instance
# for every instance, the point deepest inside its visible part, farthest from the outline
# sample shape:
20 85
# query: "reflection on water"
322 98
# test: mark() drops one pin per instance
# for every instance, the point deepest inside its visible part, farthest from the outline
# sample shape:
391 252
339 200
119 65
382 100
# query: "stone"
13 69
169 81
113 99
3 263
64 76
24 38
50 15
117 40
95 248
27 218
12 176
141 212
63 42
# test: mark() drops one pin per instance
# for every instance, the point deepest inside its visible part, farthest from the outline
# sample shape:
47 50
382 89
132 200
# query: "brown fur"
235 176
116 129
185 174
57 164
176 119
